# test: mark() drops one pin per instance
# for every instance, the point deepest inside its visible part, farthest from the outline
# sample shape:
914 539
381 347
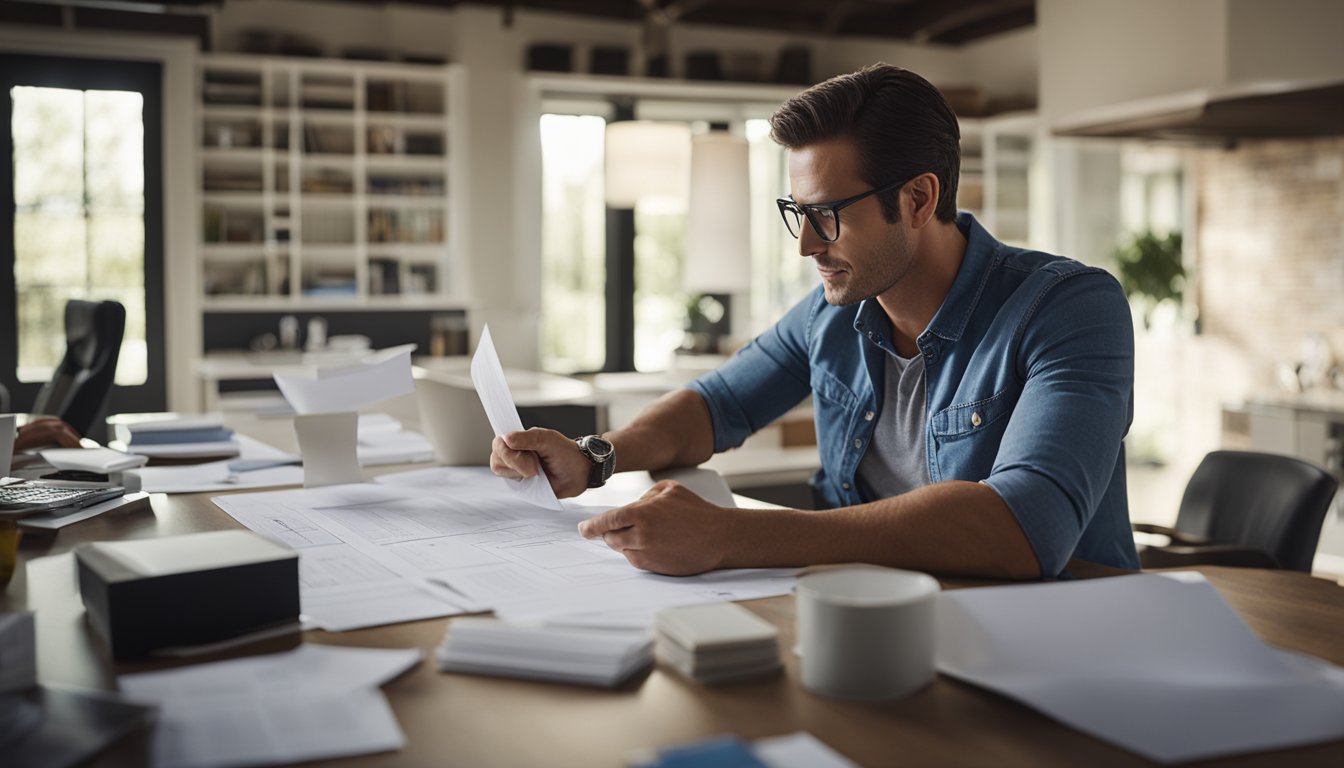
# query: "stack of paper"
717 642
314 702
383 441
195 437
598 657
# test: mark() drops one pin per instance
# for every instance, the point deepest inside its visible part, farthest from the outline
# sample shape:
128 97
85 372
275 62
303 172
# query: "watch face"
598 448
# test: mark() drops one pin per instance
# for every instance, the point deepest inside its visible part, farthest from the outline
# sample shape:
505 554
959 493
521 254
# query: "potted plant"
1150 271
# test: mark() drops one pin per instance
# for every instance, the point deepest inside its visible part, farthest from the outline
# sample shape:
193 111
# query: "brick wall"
1270 248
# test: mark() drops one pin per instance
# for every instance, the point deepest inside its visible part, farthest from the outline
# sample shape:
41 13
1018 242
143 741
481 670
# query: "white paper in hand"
488 376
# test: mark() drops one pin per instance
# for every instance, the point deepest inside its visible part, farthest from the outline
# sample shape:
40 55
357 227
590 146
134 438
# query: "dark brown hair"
902 125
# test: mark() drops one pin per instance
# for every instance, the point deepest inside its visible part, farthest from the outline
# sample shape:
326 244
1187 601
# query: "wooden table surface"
463 720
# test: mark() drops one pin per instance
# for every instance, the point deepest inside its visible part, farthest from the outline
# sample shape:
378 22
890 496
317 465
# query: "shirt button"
868 416
858 442
845 486
976 420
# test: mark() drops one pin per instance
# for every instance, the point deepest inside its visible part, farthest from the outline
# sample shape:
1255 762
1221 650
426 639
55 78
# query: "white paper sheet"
311 665
799 750
217 476
329 445
488 376
1160 666
316 701
391 551
381 376
102 460
52 521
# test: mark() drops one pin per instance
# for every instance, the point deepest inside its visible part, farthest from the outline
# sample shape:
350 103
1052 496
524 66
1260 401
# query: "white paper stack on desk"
193 437
717 642
598 657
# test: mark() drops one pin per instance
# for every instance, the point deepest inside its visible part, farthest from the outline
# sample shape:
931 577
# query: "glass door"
82 202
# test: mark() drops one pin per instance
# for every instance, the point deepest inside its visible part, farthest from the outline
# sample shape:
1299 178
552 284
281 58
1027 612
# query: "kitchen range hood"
1269 110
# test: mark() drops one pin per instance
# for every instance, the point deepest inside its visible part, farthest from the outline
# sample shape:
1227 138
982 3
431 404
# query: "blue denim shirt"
1030 373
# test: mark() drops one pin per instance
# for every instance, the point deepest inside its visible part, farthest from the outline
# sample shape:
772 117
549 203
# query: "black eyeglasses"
825 217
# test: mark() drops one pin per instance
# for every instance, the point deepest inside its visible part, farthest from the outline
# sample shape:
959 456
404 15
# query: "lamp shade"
646 162
718 220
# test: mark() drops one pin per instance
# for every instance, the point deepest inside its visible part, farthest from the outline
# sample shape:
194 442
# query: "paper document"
488 376
101 460
1158 665
380 376
456 540
314 702
57 519
221 475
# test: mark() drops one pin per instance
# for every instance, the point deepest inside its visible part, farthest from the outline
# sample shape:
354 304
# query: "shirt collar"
950 320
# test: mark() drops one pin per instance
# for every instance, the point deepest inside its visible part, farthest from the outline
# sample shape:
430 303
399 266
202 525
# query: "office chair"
79 387
1246 509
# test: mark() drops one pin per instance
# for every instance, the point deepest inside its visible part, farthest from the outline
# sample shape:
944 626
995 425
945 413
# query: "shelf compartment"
401 225
226 224
328 227
404 96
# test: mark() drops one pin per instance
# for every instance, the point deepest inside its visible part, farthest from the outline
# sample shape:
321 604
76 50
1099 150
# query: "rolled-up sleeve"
1076 354
762 381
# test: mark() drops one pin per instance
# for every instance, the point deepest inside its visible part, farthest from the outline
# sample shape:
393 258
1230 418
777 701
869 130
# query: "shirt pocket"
826 386
958 421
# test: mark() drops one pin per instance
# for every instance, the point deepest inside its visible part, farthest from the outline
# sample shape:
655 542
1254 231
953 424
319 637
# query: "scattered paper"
1191 682
456 540
222 475
51 521
101 460
488 376
381 376
314 702
328 444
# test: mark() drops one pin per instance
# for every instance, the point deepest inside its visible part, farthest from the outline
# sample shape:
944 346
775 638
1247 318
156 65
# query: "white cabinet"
329 184
997 155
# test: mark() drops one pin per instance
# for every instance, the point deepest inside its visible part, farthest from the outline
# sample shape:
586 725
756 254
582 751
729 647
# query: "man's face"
871 255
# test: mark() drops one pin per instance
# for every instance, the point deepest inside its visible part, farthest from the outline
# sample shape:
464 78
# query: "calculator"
28 498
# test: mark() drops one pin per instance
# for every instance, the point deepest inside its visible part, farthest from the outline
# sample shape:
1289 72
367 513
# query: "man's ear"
923 199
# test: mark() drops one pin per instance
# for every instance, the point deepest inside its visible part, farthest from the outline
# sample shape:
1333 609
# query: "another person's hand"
44 433
517 455
669 530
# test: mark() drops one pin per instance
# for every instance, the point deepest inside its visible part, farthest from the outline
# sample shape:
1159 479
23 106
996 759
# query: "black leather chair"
80 385
1246 509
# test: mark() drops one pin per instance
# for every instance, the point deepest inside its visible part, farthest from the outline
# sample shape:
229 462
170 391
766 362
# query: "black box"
609 60
146 594
549 57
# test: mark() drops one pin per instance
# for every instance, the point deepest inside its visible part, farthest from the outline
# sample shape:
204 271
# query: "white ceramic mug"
866 632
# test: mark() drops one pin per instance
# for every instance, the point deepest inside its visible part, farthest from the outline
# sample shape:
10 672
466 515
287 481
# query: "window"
574 291
79 231
573 250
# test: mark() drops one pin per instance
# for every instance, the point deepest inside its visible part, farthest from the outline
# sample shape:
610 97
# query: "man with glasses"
970 397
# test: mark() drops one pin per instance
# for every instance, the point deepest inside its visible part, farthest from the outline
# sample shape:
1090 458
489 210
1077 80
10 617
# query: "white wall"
1093 54
181 214
1288 39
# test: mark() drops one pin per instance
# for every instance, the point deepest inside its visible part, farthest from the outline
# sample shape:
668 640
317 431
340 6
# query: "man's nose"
809 242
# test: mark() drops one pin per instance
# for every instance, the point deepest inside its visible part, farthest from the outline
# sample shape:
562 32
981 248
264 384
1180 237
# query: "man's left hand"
669 530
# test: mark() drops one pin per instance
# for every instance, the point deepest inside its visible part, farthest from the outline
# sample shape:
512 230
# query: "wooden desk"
453 720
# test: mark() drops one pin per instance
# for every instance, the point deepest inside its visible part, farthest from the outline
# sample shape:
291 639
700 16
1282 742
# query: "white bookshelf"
329 184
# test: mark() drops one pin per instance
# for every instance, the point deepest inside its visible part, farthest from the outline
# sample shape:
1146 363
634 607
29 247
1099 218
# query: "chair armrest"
1214 554
1177 537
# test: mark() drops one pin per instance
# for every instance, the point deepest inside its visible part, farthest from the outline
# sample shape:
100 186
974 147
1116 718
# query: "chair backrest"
1269 502
79 388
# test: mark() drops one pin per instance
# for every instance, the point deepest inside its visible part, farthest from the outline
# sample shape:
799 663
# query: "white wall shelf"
327 185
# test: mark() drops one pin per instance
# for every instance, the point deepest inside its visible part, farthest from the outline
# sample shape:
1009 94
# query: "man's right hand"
517 455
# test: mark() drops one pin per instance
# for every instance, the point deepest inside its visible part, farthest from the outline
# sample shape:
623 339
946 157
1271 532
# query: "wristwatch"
602 453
